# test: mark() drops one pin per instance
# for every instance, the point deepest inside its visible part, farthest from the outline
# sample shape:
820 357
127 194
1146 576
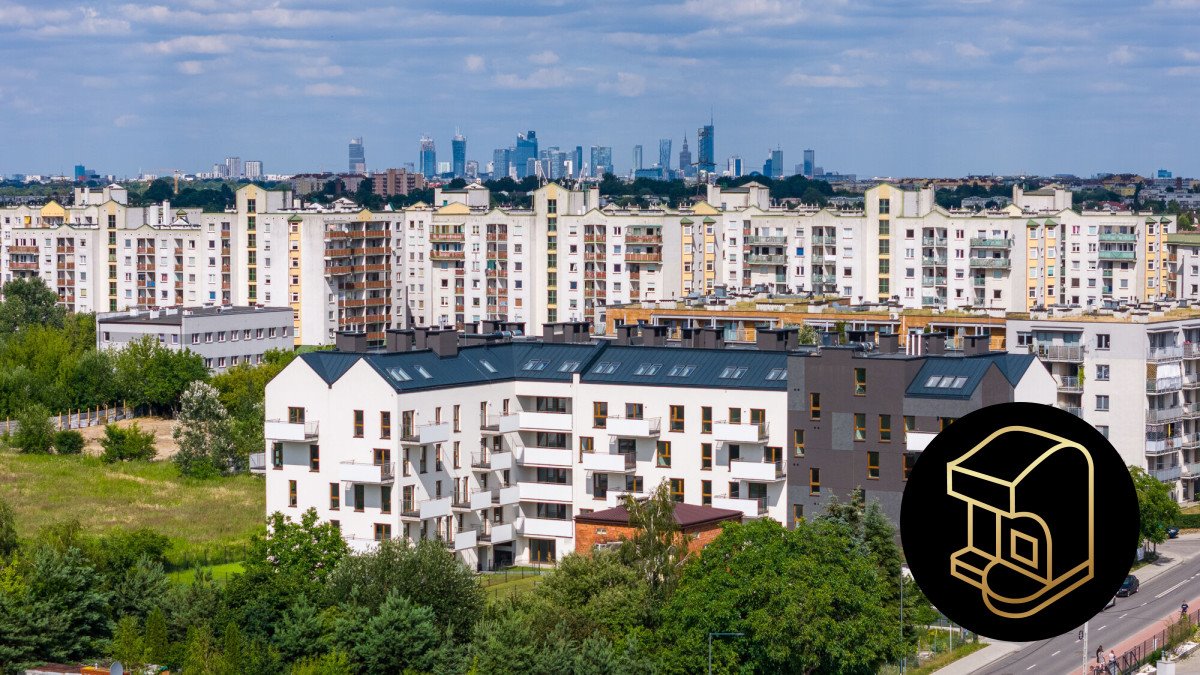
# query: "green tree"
299 631
35 431
308 549
200 652
1156 508
808 335
595 595
203 433
8 531
68 442
29 302
149 374
657 548
127 444
140 589
128 645
813 196
156 642
335 662
400 637
242 389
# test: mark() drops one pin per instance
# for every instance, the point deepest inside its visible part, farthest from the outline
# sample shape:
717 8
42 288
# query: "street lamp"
720 635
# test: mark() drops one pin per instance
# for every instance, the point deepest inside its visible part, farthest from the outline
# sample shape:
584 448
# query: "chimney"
829 338
444 343
976 344
350 342
470 329
578 331
654 335
489 326
552 333
776 339
420 337
933 344
861 336
627 334
399 339
889 343
703 337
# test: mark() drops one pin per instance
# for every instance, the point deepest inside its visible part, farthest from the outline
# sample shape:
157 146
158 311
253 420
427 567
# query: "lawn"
220 573
195 514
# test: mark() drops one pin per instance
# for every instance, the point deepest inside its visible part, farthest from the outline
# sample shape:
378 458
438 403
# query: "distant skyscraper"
233 167
601 160
525 150
637 157
664 157
458 148
767 169
810 163
705 160
685 159
577 163
254 169
427 159
776 164
472 169
501 161
358 156
735 166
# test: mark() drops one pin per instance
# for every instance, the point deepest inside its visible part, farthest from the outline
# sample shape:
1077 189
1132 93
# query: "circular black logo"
1019 521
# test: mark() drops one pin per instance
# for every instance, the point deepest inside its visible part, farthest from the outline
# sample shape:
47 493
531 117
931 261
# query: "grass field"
195 514
220 573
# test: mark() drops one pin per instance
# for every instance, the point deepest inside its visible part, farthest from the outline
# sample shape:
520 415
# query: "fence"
1142 653
81 419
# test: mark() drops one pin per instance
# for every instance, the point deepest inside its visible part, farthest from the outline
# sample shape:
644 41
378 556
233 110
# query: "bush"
127 444
35 431
1188 521
68 442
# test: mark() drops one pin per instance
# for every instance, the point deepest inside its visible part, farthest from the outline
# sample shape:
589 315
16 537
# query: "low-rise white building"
223 336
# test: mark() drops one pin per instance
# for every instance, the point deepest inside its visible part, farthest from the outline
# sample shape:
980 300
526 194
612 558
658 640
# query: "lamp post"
720 635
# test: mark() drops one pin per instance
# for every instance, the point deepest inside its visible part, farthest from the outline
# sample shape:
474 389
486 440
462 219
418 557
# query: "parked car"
1172 532
1128 587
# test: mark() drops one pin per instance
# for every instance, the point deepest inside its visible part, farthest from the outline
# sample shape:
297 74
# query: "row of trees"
821 598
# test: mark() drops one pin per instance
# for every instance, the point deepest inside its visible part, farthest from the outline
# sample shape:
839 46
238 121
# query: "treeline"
824 597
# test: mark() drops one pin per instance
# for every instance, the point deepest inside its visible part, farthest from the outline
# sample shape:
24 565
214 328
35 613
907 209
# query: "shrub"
68 442
35 431
127 444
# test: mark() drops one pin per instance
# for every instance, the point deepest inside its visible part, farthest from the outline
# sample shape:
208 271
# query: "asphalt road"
1158 597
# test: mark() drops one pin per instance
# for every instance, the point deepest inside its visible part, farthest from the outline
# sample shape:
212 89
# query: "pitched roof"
679 367
959 376
687 515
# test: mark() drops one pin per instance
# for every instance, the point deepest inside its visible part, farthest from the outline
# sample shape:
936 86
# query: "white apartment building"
1099 361
224 336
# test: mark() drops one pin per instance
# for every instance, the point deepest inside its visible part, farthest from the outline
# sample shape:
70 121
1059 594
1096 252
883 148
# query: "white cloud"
331 89
969 50
777 12
190 67
546 58
318 68
195 44
627 84
542 78
1190 55
932 86
834 80
126 121
475 63
1183 70
1120 56
922 56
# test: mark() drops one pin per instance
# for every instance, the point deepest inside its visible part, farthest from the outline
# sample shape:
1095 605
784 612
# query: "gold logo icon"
1022 555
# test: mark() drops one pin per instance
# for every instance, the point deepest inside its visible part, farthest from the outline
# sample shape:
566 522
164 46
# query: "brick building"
701 524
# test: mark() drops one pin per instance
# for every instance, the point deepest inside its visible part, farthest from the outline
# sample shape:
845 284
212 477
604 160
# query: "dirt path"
161 428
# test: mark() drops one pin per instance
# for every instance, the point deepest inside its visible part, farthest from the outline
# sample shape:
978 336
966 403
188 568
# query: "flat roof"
175 316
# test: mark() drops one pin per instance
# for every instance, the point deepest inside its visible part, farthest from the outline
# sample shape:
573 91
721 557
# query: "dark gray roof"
958 376
175 316
708 366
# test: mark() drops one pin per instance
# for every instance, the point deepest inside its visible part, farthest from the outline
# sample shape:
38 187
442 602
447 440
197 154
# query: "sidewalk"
981 659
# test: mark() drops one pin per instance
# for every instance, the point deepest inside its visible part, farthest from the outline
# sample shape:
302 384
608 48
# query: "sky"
875 87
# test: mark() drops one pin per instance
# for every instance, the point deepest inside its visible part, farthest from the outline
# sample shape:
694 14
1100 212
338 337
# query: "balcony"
466 539
446 255
445 236
917 441
939 242
1118 238
23 266
766 240
258 462
1168 474
1070 385
429 508
1065 353
545 527
1191 351
367 472
1160 354
733 432
1163 446
492 461
503 533
502 496
643 239
627 427
282 430
766 259
544 421
1190 441
750 508
824 279
1163 415
1117 255
426 433
1074 410
23 249
609 463
1191 381
933 281
763 471
985 242
545 492
534 456
991 263
823 240
644 257
1163 385
939 261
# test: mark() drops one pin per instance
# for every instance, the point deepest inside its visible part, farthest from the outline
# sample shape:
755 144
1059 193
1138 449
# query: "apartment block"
224 336
494 444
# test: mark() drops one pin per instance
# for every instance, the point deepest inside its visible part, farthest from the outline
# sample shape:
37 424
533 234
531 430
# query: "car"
1172 532
1128 587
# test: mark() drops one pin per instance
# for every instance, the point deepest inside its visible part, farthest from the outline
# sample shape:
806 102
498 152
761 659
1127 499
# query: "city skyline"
948 89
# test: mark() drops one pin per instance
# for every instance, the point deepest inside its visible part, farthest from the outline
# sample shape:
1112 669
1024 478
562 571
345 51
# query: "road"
1159 596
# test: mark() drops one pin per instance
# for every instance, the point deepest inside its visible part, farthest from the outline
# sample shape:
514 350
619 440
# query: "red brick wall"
588 535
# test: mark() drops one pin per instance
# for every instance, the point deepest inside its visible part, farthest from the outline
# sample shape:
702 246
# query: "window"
385 498
457 418
587 445
814 481
1101 402
664 454
677 418
277 455
385 424
422 372
360 497
383 531
648 369
335 496
605 368
534 365
633 411
798 442
909 460
600 414
885 428
568 367
706 456
681 370
910 423
1103 341
860 381
292 493
860 426
814 406
314 458
1102 372
1103 429
797 513
677 489
487 365
944 422
706 419
296 415
599 485
873 464
541 550
732 373
777 374
706 492
358 424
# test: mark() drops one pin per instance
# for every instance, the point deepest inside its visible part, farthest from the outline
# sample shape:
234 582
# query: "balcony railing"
1068 353
283 430
741 432
991 263
985 242
1074 410
764 240
1070 385
762 470
939 261
751 508
1167 474
1117 255
939 242
933 281
1164 384
1118 237
823 240
634 428
1163 415
258 462
367 472
1169 353
1163 446
604 462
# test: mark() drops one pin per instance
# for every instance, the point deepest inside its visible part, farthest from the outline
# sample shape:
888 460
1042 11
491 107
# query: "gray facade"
222 336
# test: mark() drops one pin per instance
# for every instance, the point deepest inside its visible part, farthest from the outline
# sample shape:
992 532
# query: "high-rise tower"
428 157
705 160
358 156
458 148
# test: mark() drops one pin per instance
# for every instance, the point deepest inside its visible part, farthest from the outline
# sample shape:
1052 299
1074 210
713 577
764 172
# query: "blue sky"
877 87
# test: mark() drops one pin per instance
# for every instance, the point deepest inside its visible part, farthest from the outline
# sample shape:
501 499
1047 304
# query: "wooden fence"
81 419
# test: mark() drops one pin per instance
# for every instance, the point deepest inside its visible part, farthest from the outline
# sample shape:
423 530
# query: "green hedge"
1188 521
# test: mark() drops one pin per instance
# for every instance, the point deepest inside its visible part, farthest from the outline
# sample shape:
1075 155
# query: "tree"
140 589
335 662
400 637
1156 508
242 390
68 442
151 375
35 431
657 548
203 432
8 531
594 595
808 335
813 196
307 549
156 642
299 633
29 302
127 444
128 645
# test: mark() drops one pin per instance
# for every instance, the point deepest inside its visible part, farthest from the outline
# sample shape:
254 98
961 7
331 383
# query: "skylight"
648 369
568 367
398 373
959 382
606 368
933 380
681 370
732 373
777 374
534 364
487 365
422 372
